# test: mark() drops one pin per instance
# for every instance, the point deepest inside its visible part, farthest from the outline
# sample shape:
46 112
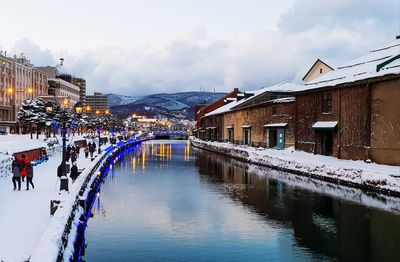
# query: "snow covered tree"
33 112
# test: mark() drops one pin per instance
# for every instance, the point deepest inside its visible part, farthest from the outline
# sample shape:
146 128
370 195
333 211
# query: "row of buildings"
21 80
350 112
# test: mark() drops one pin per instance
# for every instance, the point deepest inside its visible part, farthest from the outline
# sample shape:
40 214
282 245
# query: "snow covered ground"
25 215
382 177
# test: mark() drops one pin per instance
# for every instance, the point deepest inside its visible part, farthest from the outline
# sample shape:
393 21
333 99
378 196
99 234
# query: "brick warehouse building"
202 110
264 117
354 111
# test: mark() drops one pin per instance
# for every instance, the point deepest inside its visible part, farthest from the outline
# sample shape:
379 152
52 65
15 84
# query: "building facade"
64 92
264 117
98 103
7 105
354 111
81 83
268 124
19 80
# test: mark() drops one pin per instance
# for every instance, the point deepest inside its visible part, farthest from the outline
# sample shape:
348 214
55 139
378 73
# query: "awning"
246 126
276 125
229 127
211 127
325 125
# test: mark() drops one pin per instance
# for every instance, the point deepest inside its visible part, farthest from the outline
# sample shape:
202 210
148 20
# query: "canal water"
166 201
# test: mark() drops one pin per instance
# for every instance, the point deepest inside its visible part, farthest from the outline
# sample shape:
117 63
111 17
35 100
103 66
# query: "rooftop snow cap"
281 88
384 60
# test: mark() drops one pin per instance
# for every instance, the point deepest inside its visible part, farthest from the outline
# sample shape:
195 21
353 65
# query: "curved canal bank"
165 201
368 177
61 237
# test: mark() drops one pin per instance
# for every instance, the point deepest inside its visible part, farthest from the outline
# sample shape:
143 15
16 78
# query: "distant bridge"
171 134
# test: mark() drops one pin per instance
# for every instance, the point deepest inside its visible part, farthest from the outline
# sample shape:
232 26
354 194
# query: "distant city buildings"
81 83
97 103
66 89
19 80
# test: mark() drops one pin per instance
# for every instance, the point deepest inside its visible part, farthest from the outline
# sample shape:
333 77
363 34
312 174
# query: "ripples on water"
165 201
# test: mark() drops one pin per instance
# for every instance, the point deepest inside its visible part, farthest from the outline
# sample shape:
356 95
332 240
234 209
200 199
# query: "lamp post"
98 136
49 107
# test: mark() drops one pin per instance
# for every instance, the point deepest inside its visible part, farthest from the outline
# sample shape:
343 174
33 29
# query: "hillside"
175 104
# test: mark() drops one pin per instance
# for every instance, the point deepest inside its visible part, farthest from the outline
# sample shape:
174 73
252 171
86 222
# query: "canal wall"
366 176
62 236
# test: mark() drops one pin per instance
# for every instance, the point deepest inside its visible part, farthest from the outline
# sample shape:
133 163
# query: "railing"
91 196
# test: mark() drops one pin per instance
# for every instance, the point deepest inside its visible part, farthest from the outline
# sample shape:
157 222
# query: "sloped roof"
315 63
378 62
281 87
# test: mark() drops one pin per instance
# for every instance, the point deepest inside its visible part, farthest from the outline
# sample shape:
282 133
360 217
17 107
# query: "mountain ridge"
178 105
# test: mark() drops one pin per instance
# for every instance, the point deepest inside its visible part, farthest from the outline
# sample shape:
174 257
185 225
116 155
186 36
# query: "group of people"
22 169
90 149
72 153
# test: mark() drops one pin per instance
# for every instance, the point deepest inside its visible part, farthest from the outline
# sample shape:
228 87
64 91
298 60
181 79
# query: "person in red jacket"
23 161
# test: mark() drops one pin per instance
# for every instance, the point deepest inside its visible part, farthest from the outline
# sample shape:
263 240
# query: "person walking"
22 166
73 156
29 175
92 149
74 172
86 150
16 179
77 150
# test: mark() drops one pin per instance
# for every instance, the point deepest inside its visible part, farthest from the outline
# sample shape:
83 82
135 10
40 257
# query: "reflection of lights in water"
143 159
134 164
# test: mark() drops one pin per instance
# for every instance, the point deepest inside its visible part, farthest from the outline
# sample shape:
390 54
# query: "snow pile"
50 242
5 165
381 178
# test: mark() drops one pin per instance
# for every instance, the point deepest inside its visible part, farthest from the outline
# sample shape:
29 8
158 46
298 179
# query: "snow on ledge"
382 177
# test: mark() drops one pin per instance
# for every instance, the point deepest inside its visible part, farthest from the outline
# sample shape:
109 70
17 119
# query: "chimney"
398 37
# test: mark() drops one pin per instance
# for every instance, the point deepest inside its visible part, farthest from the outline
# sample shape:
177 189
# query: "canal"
166 201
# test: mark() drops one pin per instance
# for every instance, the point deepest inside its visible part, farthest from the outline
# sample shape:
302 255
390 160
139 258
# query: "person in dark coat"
16 179
86 150
74 172
22 166
73 156
60 170
77 150
29 175
92 148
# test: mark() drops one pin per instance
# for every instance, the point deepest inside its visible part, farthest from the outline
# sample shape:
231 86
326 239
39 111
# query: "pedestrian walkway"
25 215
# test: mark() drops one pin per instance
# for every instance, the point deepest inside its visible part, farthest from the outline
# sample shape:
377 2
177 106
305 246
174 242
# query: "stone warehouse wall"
257 116
385 123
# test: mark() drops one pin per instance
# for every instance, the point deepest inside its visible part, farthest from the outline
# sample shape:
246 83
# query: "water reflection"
168 202
329 219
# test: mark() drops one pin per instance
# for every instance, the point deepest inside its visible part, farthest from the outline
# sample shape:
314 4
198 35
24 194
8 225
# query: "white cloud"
247 58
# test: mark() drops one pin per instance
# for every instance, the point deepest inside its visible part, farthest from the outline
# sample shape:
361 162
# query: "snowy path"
25 215
381 177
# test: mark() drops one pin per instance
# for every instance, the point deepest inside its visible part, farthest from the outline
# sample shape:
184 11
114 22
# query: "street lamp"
30 91
49 107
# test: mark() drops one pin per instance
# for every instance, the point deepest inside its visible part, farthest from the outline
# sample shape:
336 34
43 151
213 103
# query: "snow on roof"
363 67
325 124
276 125
281 87
284 100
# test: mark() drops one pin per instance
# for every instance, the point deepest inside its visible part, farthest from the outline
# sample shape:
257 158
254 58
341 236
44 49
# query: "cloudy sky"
138 47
